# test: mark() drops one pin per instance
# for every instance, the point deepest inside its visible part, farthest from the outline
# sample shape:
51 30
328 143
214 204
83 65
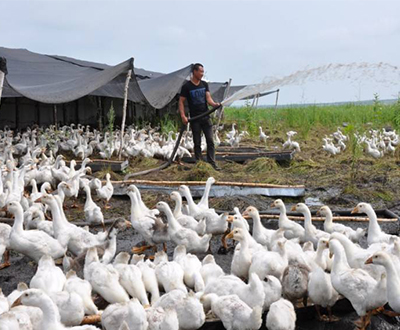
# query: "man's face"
199 73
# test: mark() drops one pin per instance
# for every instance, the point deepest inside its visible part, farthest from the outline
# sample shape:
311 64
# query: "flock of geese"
271 271
377 143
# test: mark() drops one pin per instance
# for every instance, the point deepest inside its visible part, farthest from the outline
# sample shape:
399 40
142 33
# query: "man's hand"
184 120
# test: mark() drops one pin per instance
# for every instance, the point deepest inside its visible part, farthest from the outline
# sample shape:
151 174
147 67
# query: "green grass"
302 119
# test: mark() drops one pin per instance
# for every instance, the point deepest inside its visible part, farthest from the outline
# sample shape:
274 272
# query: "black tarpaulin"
58 79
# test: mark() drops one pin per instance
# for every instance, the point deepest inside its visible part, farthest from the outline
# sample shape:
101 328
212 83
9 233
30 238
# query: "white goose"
131 313
184 236
189 309
191 266
281 316
261 234
311 232
48 277
292 229
234 313
330 227
130 277
375 234
364 293
82 288
93 214
149 277
185 220
33 243
242 258
103 278
393 280
51 314
105 192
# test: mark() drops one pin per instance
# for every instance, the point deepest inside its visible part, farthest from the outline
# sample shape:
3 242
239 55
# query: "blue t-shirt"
196 97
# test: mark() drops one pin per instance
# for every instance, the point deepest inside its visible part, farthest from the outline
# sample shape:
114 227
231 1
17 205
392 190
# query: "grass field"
304 119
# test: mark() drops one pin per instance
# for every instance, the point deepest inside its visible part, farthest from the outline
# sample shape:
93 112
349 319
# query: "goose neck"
19 220
178 206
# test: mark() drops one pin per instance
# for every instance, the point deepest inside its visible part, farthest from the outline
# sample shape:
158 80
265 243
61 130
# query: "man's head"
198 71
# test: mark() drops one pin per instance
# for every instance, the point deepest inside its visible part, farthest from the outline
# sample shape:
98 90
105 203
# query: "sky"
248 41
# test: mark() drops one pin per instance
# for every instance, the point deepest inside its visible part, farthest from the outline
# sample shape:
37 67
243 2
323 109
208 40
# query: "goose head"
361 208
278 203
379 258
324 211
323 243
14 207
237 234
63 186
300 207
175 196
334 247
31 297
162 206
251 211
184 190
211 180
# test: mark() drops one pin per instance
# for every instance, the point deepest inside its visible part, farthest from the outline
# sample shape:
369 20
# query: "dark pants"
205 125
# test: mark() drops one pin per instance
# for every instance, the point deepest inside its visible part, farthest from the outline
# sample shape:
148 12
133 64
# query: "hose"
177 143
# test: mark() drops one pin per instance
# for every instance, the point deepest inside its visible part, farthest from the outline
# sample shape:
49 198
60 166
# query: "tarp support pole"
226 93
276 100
128 78
2 75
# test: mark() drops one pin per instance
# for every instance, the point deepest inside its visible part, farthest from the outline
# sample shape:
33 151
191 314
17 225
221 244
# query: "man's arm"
210 101
182 109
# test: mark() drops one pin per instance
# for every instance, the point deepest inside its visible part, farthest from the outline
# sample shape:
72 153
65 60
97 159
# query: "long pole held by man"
198 96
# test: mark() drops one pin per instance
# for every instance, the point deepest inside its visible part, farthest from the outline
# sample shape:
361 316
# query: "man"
197 93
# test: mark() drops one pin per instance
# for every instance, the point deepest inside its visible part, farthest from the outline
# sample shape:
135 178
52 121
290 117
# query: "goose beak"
293 208
369 261
330 255
245 214
355 210
16 303
230 235
230 219
272 204
318 213
39 200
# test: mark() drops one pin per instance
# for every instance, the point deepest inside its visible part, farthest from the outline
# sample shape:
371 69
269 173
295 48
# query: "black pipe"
177 143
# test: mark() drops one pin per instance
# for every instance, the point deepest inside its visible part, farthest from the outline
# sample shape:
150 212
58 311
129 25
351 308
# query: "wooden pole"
226 93
2 75
128 78
276 100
